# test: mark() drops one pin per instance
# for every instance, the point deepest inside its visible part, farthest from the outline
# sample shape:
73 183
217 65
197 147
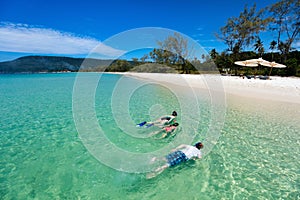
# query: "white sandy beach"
285 89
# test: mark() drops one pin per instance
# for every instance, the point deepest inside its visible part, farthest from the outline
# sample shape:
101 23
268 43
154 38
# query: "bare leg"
156 172
160 123
163 136
155 133
158 159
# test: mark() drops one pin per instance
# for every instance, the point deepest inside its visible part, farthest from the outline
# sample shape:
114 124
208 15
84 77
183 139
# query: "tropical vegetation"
242 35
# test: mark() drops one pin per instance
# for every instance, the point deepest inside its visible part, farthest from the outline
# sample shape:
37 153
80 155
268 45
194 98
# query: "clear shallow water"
42 156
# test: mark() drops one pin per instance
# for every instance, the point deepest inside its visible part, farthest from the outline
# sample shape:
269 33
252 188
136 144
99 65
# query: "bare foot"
153 160
151 175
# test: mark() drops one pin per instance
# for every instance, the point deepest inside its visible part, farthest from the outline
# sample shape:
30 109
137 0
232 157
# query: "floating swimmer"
162 121
180 154
168 130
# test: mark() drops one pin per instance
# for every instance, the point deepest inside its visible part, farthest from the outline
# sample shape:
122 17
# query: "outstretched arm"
199 156
182 146
170 120
164 119
163 136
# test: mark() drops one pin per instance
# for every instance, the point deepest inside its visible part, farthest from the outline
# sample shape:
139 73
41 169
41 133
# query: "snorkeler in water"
162 121
180 154
167 130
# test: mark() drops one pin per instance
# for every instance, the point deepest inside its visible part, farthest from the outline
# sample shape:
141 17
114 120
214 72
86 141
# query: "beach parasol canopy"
272 64
263 62
246 63
257 61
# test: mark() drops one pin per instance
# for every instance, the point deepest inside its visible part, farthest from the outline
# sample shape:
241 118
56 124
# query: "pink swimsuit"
170 128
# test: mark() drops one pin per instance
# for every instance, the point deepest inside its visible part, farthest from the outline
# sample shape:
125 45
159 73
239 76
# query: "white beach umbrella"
272 64
256 61
263 62
246 63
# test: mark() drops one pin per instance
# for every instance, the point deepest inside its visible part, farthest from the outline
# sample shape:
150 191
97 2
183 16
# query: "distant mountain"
34 64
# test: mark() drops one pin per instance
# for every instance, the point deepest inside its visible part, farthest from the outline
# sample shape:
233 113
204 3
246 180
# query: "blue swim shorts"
175 158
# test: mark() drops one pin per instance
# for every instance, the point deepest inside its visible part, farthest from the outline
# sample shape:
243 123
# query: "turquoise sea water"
43 157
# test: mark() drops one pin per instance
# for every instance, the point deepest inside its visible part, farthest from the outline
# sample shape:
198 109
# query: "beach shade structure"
272 64
257 61
246 63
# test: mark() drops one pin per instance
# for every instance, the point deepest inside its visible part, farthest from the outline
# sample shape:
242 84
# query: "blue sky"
74 28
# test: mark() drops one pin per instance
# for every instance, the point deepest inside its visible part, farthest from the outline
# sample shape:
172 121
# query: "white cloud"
296 45
208 40
198 35
27 39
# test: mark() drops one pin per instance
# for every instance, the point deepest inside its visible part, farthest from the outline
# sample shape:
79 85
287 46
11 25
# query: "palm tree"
272 47
213 54
259 47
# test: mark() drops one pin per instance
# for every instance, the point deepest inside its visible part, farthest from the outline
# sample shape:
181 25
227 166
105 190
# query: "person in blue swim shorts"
178 155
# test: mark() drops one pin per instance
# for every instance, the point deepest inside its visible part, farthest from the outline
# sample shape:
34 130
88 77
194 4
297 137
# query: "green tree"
143 58
240 32
286 22
213 54
174 50
119 66
259 47
135 61
157 55
273 47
